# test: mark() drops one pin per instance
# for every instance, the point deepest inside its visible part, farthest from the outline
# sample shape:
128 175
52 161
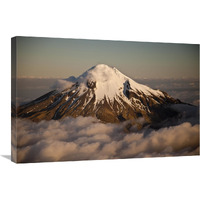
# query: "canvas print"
76 99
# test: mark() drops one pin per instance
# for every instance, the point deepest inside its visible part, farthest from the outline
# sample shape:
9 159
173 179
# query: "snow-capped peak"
108 82
99 73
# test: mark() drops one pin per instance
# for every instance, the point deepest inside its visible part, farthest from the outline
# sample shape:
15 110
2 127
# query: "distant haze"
61 58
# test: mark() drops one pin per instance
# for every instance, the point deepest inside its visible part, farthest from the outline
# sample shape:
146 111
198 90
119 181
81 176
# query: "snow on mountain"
110 82
102 92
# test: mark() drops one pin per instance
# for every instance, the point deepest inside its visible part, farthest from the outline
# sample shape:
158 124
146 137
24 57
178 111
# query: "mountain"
105 93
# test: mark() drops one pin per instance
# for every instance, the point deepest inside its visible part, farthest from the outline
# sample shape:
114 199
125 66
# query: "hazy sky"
61 58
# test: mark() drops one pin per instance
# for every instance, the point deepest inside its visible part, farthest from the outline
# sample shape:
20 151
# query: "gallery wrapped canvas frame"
143 101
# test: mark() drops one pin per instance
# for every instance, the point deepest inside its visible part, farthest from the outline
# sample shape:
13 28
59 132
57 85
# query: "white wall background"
161 21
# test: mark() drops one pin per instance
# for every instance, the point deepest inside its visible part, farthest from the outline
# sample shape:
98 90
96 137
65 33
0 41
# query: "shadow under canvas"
7 156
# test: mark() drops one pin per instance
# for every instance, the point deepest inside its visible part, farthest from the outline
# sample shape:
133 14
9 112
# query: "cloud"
85 138
172 141
62 84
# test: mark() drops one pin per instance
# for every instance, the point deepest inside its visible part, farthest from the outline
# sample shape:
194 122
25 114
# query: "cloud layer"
84 138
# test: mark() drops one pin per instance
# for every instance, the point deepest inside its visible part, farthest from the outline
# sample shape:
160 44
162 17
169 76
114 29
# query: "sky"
61 58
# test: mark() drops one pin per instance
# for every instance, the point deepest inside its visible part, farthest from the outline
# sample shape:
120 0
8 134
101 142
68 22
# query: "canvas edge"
13 99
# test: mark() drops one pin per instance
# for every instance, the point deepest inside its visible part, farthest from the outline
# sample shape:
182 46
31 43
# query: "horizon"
186 90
